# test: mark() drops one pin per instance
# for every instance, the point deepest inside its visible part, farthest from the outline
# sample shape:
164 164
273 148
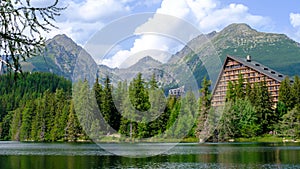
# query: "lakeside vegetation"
40 107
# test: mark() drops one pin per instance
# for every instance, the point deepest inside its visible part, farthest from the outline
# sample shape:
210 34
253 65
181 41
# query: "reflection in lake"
18 155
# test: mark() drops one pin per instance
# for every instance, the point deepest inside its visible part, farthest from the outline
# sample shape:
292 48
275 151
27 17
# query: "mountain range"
276 51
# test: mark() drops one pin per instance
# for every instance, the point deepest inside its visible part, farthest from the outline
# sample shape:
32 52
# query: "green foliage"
139 111
263 105
239 120
139 96
236 90
108 108
173 107
239 87
285 93
296 91
73 128
248 112
290 124
204 107
43 109
230 94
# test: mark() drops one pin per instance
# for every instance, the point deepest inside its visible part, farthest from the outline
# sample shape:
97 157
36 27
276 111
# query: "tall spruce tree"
264 107
98 93
27 115
139 96
157 116
230 94
248 90
239 88
109 110
296 91
285 93
204 107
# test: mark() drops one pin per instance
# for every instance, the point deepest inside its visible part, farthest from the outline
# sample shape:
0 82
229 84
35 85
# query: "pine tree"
239 119
73 128
226 127
230 94
248 90
296 91
36 120
290 124
27 114
98 92
109 110
173 106
153 82
5 127
84 105
138 94
239 88
129 116
204 107
57 132
254 94
263 105
285 95
16 124
49 114
157 117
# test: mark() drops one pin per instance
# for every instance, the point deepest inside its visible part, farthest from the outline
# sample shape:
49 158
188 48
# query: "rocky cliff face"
59 56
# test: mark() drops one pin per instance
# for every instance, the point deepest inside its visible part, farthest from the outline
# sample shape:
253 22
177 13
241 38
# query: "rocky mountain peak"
64 41
238 28
148 60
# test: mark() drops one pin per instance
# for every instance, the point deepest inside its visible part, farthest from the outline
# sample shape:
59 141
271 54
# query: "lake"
18 155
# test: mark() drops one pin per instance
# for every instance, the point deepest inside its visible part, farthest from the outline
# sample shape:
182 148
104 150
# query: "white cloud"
295 19
95 10
83 18
206 15
156 46
234 13
295 22
77 31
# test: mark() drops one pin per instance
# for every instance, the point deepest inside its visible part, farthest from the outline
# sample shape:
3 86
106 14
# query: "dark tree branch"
21 27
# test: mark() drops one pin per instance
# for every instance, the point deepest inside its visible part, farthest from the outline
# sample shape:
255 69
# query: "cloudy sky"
84 18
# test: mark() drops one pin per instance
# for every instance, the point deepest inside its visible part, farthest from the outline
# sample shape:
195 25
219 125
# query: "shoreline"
260 139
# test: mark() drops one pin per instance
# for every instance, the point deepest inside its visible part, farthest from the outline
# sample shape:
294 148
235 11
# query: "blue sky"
83 18
278 11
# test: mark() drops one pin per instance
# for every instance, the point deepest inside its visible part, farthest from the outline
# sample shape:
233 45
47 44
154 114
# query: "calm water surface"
16 155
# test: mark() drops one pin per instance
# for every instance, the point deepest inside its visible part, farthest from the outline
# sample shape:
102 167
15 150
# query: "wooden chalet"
251 71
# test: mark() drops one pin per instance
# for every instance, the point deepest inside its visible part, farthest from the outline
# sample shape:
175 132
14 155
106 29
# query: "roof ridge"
259 67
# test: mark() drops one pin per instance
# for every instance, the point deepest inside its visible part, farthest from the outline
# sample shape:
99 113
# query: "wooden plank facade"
251 71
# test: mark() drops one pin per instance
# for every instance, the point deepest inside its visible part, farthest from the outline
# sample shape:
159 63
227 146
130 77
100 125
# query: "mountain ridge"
276 51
